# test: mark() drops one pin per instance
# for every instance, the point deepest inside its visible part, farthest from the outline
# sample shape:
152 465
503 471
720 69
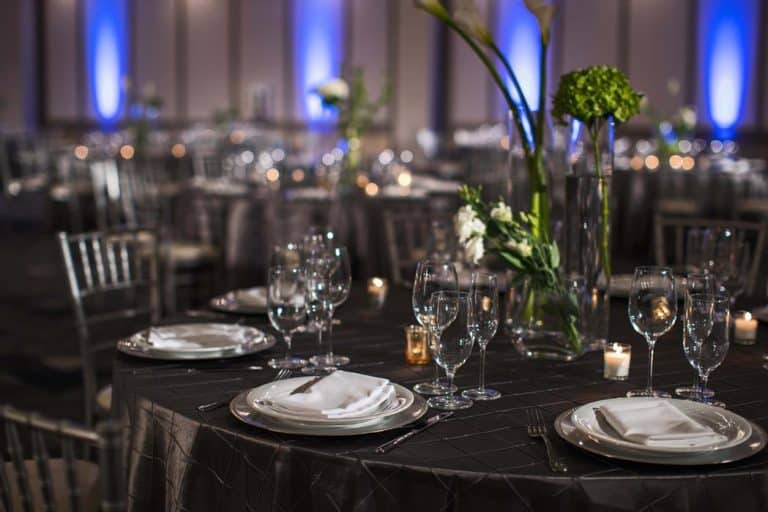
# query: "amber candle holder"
416 345
378 287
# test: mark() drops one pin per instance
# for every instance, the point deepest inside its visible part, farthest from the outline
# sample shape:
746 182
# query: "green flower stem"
594 133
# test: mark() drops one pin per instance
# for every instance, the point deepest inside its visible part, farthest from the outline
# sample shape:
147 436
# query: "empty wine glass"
318 311
288 255
695 283
453 343
431 277
730 262
339 283
483 323
652 311
287 309
708 328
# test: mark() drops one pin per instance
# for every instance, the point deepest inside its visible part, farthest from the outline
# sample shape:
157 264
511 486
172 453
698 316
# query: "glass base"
691 393
449 402
291 363
481 394
714 403
433 388
327 360
654 393
318 370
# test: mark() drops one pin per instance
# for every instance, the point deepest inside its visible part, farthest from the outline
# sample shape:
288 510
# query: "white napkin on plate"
658 423
196 336
339 395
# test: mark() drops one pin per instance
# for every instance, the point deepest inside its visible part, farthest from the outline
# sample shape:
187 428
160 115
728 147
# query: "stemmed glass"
453 343
483 322
708 327
431 277
287 309
730 262
695 283
652 311
338 283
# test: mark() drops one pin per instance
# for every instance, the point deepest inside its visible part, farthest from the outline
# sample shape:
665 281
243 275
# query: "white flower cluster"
333 90
470 231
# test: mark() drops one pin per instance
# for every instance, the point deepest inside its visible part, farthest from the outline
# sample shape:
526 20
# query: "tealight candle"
744 328
377 292
616 358
416 345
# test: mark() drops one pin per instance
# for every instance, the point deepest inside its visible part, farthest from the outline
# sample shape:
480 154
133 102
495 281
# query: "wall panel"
368 44
469 91
590 33
62 65
207 37
153 50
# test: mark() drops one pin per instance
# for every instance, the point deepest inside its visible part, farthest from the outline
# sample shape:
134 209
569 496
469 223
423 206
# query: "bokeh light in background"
727 35
106 59
318 35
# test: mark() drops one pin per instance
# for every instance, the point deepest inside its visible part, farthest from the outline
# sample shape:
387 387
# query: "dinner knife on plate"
307 385
384 448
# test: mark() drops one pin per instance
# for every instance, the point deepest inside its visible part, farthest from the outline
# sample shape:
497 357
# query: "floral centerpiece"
525 242
356 112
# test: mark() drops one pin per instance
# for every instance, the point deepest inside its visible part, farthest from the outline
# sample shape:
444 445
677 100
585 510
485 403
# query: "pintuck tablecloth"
479 460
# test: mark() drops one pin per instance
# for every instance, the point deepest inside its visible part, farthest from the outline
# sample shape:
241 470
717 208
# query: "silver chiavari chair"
112 277
407 238
45 468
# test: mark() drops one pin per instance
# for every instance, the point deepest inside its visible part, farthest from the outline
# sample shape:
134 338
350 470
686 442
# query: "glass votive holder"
616 358
417 345
377 290
744 328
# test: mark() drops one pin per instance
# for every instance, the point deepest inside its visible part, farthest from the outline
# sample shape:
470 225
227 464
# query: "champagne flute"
339 283
708 328
695 283
453 343
287 310
652 311
483 323
431 277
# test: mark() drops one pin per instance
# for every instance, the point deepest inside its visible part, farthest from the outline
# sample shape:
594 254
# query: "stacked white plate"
661 431
340 404
196 341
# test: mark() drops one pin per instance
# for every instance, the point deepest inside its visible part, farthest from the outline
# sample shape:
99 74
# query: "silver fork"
284 373
538 428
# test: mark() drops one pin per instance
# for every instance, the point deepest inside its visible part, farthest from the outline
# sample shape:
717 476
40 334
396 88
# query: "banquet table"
480 459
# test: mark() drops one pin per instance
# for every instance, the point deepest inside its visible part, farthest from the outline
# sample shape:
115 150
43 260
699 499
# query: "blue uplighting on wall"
106 59
727 53
518 36
317 45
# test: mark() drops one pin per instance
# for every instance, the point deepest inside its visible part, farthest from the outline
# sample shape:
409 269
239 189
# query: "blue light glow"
318 35
105 32
727 46
518 36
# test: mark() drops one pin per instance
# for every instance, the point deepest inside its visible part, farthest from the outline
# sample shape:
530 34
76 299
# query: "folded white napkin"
196 336
339 395
658 423
254 297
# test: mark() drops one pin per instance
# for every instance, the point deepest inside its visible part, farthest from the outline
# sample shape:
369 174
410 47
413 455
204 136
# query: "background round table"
481 459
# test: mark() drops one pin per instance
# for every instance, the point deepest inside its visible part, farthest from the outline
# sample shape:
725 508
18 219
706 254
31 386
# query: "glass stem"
287 338
330 332
482 368
651 346
696 385
432 341
704 379
450 383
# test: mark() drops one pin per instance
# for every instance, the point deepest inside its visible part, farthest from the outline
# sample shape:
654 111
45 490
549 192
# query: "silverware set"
212 406
420 427
537 427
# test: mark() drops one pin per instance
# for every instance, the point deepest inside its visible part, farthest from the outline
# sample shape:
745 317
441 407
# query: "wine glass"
730 262
483 323
652 311
708 327
339 283
288 255
318 308
453 343
695 283
431 277
287 309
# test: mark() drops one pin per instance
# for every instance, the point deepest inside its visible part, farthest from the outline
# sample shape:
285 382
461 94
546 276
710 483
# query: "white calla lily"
467 16
543 13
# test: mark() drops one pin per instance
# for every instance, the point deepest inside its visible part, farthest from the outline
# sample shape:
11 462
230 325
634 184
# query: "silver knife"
396 441
307 385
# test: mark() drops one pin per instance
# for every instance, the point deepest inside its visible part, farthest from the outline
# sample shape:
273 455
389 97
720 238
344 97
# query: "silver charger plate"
229 303
256 341
751 445
244 412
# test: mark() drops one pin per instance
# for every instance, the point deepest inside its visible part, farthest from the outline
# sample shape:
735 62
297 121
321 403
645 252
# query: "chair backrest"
407 237
116 271
676 229
51 477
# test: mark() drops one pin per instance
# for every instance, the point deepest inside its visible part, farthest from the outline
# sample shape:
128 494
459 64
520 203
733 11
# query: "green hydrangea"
593 93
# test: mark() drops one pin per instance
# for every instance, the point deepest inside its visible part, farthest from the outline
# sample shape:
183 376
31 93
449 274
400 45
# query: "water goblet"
431 277
708 327
695 283
452 345
483 323
287 310
652 311
339 283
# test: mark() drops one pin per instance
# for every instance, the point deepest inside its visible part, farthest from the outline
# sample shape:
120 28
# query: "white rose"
467 224
688 116
474 249
336 89
501 212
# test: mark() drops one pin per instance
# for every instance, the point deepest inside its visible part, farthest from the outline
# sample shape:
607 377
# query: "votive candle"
417 345
616 359
377 292
744 328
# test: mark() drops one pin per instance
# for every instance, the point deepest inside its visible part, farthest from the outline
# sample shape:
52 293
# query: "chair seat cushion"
87 475
189 253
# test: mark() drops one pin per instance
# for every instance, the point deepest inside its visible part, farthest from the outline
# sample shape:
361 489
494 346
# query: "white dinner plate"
735 428
260 399
621 285
246 301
